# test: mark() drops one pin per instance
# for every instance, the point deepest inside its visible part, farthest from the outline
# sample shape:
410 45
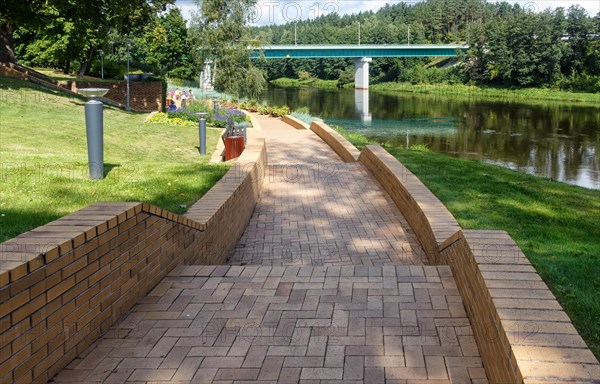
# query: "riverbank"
524 95
520 94
316 83
555 224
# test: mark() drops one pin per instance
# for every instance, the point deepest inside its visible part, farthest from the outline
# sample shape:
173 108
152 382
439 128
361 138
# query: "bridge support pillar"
361 105
361 72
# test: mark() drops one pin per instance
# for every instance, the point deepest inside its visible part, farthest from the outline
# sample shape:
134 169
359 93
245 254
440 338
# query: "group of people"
178 97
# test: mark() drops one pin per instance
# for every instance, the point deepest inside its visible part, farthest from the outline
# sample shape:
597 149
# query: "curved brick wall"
296 123
345 149
522 332
428 217
64 284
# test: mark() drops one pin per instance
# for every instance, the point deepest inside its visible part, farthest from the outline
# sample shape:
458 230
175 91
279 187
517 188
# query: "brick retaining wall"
294 122
144 95
225 210
345 149
64 284
428 217
522 332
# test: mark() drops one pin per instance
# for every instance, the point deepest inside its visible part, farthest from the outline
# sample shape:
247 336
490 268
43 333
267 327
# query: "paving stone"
334 291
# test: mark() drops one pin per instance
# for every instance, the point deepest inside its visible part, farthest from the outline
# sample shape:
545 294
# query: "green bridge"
361 53
355 51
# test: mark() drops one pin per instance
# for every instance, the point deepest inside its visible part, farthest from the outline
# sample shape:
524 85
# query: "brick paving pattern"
348 324
340 297
317 210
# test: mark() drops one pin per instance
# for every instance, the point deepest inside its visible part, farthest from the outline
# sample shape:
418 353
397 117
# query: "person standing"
190 95
184 97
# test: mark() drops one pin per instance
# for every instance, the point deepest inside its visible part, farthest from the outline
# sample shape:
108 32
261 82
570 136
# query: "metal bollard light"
94 128
202 132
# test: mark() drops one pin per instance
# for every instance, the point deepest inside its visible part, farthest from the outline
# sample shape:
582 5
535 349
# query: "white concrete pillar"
361 105
361 72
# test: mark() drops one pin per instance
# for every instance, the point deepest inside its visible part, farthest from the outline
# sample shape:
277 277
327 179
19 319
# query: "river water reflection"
546 139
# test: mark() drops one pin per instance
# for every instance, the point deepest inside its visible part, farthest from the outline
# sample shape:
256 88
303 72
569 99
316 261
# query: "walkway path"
331 302
317 210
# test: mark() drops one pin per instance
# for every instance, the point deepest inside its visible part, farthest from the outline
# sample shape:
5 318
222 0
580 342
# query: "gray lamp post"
94 129
101 53
127 105
202 131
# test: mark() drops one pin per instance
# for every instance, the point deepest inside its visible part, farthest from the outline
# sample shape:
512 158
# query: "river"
547 139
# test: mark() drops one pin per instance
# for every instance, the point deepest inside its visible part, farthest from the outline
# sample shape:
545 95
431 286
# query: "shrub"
419 148
303 110
280 111
264 110
304 75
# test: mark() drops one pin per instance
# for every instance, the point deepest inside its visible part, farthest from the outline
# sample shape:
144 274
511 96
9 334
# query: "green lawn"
43 158
556 225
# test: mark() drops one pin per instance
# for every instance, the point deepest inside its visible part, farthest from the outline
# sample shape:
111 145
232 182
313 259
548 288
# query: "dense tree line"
71 35
152 35
510 45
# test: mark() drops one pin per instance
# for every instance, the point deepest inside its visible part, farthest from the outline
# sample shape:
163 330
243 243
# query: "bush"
176 120
345 77
578 83
304 75
302 110
264 110
419 148
280 111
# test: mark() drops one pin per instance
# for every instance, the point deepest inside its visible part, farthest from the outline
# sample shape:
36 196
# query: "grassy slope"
555 224
43 153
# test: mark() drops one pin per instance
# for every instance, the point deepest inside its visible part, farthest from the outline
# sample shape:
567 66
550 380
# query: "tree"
219 33
167 45
70 29
578 28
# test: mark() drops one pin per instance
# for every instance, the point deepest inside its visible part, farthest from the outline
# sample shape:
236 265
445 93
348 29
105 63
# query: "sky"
281 11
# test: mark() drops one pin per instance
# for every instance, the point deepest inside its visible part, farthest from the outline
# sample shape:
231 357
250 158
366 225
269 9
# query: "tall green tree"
579 26
219 33
70 30
167 46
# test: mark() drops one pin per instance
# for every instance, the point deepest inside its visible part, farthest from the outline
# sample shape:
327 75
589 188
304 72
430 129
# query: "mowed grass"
43 156
556 225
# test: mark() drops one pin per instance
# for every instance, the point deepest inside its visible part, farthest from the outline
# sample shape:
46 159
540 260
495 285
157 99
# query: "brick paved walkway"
317 210
290 324
331 303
